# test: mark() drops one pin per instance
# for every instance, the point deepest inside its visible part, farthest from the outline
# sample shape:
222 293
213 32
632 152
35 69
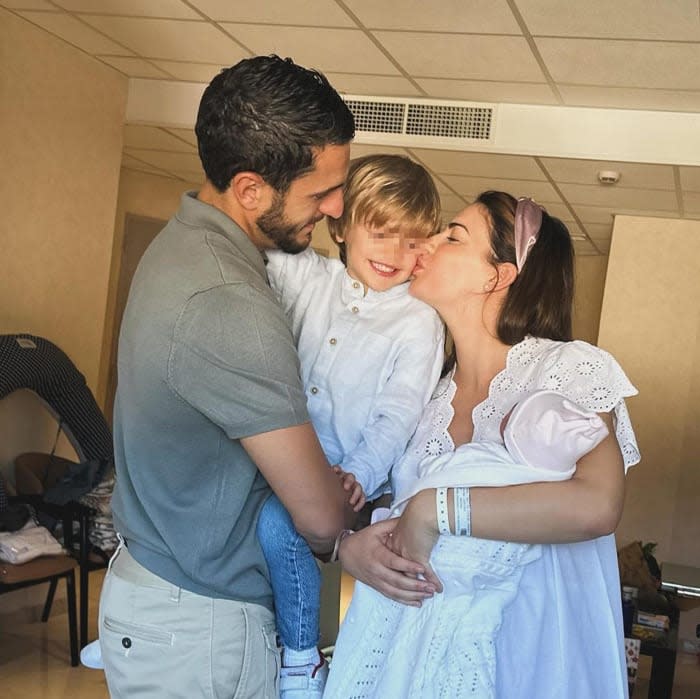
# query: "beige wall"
61 119
140 194
588 298
650 320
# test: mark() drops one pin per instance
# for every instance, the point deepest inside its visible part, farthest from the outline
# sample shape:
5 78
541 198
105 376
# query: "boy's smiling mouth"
384 270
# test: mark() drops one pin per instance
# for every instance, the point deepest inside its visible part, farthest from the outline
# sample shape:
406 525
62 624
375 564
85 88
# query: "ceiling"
589 57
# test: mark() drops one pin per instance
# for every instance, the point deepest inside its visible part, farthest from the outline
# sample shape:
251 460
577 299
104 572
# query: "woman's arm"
587 506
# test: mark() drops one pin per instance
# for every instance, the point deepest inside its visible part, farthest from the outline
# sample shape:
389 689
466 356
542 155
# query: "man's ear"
507 274
250 190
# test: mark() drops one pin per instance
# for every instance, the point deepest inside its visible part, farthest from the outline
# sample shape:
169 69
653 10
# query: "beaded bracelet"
463 512
443 516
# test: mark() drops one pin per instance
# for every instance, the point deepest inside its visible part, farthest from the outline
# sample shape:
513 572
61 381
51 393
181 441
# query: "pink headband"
528 219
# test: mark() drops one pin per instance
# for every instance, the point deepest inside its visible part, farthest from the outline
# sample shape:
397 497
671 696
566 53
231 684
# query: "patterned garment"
35 363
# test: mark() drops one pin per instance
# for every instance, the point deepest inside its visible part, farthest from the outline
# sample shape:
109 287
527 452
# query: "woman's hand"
368 558
416 533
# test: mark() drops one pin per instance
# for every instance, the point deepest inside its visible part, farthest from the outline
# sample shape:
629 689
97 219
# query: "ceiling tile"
623 19
385 85
473 17
558 210
485 91
462 56
622 63
138 8
168 38
165 160
154 138
472 186
574 229
584 247
605 214
599 231
197 72
75 32
327 50
186 135
480 164
630 98
603 244
690 178
291 12
134 67
136 164
27 4
618 198
631 174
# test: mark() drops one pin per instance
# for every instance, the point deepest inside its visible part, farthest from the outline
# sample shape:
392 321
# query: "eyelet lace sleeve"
582 372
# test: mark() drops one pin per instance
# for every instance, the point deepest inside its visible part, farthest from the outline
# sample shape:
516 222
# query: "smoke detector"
608 176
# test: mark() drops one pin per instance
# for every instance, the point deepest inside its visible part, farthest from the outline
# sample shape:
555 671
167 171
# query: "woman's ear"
507 274
250 190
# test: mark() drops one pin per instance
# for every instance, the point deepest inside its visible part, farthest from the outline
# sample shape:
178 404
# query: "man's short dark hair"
267 115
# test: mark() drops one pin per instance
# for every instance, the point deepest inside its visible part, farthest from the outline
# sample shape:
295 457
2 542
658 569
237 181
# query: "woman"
501 277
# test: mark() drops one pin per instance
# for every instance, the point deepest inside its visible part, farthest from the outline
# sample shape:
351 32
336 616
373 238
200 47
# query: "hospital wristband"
463 512
443 515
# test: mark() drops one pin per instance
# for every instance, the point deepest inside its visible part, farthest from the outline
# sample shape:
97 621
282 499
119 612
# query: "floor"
35 664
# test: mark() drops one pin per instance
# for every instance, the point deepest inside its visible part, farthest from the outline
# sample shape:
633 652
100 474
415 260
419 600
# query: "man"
210 411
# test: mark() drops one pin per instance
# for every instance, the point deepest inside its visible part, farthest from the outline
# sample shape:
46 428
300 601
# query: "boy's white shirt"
369 363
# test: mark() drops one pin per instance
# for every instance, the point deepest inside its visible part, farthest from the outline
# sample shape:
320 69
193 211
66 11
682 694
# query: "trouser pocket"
134 636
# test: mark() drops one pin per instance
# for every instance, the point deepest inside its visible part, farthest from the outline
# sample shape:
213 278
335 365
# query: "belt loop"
120 546
174 593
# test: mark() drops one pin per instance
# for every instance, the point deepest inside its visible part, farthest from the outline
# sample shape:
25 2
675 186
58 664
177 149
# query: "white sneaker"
91 656
303 681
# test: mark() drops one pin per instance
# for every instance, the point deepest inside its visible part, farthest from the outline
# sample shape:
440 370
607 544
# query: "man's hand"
366 556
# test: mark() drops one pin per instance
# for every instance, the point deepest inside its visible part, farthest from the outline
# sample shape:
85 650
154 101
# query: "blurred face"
380 258
454 265
289 221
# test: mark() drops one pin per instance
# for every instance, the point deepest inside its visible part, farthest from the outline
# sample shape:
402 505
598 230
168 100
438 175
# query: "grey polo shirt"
205 357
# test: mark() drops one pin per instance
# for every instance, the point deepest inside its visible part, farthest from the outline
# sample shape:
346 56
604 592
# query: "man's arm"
294 465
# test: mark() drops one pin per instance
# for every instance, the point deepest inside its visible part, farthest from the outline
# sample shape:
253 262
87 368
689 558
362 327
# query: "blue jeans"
294 574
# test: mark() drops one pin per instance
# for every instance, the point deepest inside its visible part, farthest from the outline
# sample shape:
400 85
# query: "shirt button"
314 390
126 642
355 309
333 341
356 285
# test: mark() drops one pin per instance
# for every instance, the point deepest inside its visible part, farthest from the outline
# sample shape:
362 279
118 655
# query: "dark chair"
39 570
34 474
46 569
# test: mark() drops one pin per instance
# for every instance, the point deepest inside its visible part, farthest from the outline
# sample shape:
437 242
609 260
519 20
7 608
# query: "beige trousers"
159 640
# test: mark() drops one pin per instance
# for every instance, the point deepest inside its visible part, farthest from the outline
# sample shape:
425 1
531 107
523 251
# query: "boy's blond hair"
389 190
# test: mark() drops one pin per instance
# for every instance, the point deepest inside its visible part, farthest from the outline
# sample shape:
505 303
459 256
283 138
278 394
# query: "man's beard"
279 230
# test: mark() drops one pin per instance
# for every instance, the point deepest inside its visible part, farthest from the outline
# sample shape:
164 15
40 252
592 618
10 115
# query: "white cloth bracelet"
463 512
338 540
443 515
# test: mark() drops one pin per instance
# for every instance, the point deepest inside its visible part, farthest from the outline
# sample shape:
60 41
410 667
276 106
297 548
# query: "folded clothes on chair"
28 543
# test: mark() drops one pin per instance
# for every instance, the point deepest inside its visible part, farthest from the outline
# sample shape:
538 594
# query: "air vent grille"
381 117
437 120
449 122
